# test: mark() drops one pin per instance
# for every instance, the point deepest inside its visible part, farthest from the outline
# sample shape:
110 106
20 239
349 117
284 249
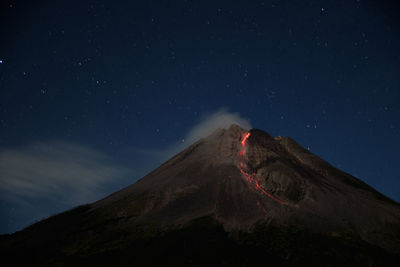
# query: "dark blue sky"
94 89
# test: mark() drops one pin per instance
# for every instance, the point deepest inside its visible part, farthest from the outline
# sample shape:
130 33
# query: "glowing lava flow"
251 177
247 135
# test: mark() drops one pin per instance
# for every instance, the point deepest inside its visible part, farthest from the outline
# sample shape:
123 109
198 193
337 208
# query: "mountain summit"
236 197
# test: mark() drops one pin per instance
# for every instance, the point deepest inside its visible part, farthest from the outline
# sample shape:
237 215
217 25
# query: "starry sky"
95 94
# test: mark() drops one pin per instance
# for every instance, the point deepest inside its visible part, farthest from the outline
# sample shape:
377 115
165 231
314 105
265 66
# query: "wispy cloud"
59 173
68 172
209 122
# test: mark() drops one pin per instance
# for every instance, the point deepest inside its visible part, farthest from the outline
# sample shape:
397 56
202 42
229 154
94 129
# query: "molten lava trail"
245 137
251 177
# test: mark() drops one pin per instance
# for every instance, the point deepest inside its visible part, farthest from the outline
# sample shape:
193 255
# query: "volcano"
236 197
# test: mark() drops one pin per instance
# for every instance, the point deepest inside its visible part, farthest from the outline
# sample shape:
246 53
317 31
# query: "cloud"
220 119
64 171
60 174
205 126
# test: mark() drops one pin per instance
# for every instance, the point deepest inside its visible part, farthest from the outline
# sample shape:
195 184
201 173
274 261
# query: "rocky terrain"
237 197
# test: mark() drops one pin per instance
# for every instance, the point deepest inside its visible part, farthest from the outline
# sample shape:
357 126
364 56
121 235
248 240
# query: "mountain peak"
240 180
247 177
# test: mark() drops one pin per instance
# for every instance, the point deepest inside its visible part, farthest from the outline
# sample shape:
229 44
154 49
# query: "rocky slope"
235 197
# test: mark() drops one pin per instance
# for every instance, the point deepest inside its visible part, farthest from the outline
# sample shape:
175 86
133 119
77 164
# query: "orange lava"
251 177
247 135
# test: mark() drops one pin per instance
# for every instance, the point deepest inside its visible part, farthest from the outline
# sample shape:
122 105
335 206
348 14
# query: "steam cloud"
209 123
219 119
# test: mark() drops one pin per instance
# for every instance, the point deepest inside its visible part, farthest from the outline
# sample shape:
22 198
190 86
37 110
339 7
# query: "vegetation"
201 242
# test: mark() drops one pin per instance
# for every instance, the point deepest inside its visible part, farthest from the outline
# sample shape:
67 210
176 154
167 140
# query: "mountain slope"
236 198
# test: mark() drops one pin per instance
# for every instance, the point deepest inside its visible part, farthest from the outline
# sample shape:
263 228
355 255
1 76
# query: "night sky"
95 94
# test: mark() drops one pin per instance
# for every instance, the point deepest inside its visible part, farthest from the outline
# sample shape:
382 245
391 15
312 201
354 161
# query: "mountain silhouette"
236 197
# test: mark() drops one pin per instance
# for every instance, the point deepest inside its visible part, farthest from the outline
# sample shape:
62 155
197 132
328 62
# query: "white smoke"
220 119
205 126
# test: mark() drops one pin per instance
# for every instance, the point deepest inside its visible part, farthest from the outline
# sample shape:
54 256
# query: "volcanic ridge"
236 197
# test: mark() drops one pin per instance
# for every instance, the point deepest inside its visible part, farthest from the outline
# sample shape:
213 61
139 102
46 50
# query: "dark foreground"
203 242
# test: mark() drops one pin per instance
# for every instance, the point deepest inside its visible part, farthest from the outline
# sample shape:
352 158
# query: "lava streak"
247 135
251 177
